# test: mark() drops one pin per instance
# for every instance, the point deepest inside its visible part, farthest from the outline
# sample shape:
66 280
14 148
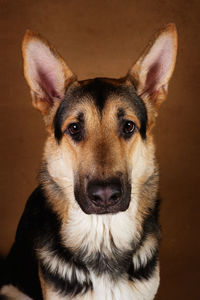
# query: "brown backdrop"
103 38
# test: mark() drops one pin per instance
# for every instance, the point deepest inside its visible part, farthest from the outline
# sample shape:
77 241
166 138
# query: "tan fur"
43 285
47 291
103 148
103 153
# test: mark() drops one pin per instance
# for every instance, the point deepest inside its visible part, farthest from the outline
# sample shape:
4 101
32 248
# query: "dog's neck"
117 244
101 233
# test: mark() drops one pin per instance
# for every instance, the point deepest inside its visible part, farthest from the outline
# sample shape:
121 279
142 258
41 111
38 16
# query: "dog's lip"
101 211
104 210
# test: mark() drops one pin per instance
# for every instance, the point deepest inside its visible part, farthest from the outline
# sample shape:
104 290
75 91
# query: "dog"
90 230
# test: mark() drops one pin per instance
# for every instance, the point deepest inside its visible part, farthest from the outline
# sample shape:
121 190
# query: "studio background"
104 38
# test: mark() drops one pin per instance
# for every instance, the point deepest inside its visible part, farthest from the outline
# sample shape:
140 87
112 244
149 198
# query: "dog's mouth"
103 196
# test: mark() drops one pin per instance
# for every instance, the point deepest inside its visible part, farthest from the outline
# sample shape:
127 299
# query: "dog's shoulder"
31 218
37 219
21 266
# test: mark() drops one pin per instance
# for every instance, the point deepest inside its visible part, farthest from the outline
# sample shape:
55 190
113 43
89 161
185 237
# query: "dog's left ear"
153 70
45 71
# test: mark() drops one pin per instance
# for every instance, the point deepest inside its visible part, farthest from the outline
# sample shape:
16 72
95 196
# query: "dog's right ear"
45 71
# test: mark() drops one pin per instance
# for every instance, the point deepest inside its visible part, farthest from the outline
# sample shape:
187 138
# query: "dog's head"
100 141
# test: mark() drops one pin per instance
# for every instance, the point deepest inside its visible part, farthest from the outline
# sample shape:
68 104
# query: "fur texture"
90 230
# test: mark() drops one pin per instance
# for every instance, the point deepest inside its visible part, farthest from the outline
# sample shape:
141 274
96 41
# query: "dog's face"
101 122
100 141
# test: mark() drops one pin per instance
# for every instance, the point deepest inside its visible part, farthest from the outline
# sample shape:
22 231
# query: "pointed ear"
45 71
153 70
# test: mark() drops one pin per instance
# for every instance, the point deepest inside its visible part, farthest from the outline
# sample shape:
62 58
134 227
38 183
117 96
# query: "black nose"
104 193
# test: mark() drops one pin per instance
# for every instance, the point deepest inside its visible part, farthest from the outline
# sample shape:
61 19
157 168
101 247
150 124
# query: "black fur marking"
115 265
99 90
144 272
21 267
39 227
151 224
50 237
120 114
64 286
2 297
62 112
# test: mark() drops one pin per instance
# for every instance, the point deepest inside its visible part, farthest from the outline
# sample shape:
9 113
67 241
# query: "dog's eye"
74 128
75 131
129 128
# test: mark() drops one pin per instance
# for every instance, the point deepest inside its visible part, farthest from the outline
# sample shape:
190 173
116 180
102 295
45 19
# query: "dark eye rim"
128 132
76 134
70 128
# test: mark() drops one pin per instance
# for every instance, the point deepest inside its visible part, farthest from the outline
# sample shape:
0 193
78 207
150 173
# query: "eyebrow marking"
120 113
80 117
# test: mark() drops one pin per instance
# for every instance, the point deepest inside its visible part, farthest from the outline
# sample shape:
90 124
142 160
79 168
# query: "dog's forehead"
99 92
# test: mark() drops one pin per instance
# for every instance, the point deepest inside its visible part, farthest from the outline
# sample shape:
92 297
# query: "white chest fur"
104 289
123 289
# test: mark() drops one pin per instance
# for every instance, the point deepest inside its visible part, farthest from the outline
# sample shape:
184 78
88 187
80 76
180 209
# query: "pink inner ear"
158 64
46 79
151 79
45 71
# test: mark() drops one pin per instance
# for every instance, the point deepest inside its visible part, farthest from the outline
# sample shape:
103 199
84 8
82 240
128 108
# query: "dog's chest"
94 286
102 262
107 266
104 288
